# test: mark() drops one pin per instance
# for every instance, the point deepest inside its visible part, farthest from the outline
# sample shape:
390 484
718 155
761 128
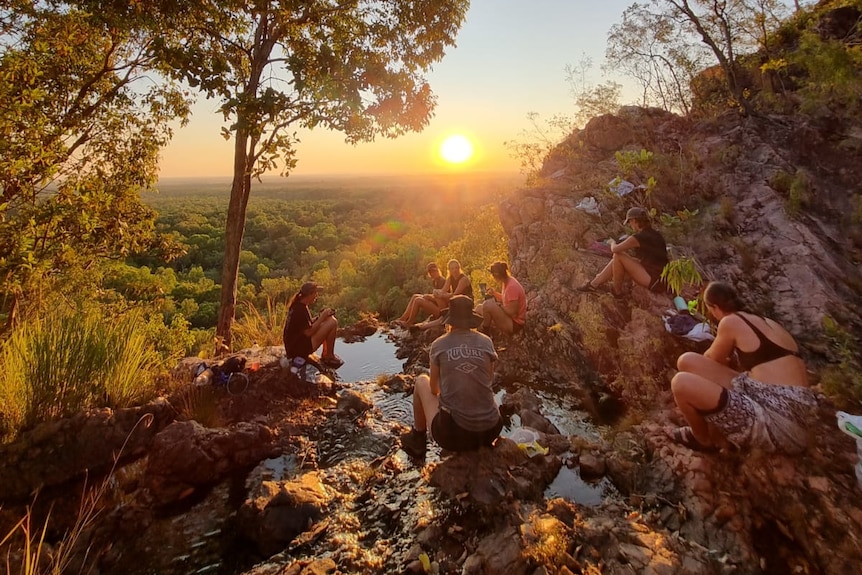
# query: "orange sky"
508 62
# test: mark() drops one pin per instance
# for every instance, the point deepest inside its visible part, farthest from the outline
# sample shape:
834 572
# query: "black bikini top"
766 351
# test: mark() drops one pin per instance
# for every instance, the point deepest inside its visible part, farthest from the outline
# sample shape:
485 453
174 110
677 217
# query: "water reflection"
569 485
365 360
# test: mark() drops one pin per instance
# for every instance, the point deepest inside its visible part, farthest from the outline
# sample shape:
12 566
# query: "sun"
456 149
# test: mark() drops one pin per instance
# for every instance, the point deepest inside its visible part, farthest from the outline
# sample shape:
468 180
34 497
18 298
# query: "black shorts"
451 436
656 284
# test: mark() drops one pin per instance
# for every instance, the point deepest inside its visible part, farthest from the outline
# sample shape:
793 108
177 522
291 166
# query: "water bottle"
852 426
296 365
254 360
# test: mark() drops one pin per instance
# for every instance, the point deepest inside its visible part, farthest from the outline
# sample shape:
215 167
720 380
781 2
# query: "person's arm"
443 292
724 342
627 244
326 313
435 377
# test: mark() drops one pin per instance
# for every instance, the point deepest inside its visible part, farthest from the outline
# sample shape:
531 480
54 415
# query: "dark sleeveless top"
766 351
467 292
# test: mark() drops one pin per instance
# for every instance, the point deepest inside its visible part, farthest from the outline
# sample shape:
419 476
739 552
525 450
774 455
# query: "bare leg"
409 310
623 265
425 305
425 403
324 334
603 276
694 394
493 314
706 368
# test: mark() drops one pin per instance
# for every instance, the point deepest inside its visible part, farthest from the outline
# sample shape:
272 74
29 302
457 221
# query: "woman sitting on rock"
303 335
457 400
767 406
645 269
423 302
457 283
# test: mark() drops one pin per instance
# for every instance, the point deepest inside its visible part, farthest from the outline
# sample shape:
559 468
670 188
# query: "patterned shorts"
764 416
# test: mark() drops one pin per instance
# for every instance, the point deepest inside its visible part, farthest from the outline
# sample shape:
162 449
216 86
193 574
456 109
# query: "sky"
509 61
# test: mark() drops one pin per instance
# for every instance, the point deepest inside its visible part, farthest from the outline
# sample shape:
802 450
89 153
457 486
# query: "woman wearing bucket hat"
645 270
457 399
303 335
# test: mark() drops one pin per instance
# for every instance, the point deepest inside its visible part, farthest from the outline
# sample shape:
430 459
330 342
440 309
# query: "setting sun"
456 149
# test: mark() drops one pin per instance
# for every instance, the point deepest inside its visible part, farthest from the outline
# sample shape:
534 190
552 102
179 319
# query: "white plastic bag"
589 205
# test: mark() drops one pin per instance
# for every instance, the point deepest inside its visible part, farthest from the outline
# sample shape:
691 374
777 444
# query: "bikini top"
766 351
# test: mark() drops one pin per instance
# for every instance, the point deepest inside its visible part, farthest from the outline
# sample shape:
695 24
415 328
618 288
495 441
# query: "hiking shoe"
414 443
586 287
332 361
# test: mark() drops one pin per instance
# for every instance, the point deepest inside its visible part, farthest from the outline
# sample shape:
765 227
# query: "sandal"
685 436
332 361
587 287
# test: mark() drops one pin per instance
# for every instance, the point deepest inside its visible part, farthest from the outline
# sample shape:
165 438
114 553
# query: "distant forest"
366 239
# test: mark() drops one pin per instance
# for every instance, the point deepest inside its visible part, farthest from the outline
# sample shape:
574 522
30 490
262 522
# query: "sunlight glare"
456 149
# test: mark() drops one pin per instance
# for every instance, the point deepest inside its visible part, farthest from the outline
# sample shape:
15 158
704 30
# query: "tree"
649 48
82 122
355 66
729 29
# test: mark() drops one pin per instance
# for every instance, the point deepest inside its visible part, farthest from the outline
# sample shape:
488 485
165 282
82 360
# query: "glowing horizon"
486 87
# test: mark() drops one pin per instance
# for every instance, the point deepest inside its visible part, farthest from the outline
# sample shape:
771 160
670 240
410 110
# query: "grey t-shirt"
465 359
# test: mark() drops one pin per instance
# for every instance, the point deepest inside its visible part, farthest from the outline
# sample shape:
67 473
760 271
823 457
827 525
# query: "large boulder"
279 512
187 456
491 475
607 133
89 443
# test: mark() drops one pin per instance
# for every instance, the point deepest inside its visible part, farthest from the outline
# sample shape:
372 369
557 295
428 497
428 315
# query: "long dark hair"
723 296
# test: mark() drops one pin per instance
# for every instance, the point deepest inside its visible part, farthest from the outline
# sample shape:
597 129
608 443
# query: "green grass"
73 360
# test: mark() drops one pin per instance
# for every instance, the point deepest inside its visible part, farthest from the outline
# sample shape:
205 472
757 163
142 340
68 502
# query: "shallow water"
393 412
569 485
365 360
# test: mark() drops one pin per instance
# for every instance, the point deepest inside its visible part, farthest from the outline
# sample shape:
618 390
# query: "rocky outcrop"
88 443
187 456
792 261
279 512
491 476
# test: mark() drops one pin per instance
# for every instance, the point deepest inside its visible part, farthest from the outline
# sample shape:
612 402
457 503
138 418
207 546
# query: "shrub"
843 380
796 188
52 368
680 273
264 328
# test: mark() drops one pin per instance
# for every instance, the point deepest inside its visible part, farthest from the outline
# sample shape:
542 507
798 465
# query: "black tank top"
766 351
467 292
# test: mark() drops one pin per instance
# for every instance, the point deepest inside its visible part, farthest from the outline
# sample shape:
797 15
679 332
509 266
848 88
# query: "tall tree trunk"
234 232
